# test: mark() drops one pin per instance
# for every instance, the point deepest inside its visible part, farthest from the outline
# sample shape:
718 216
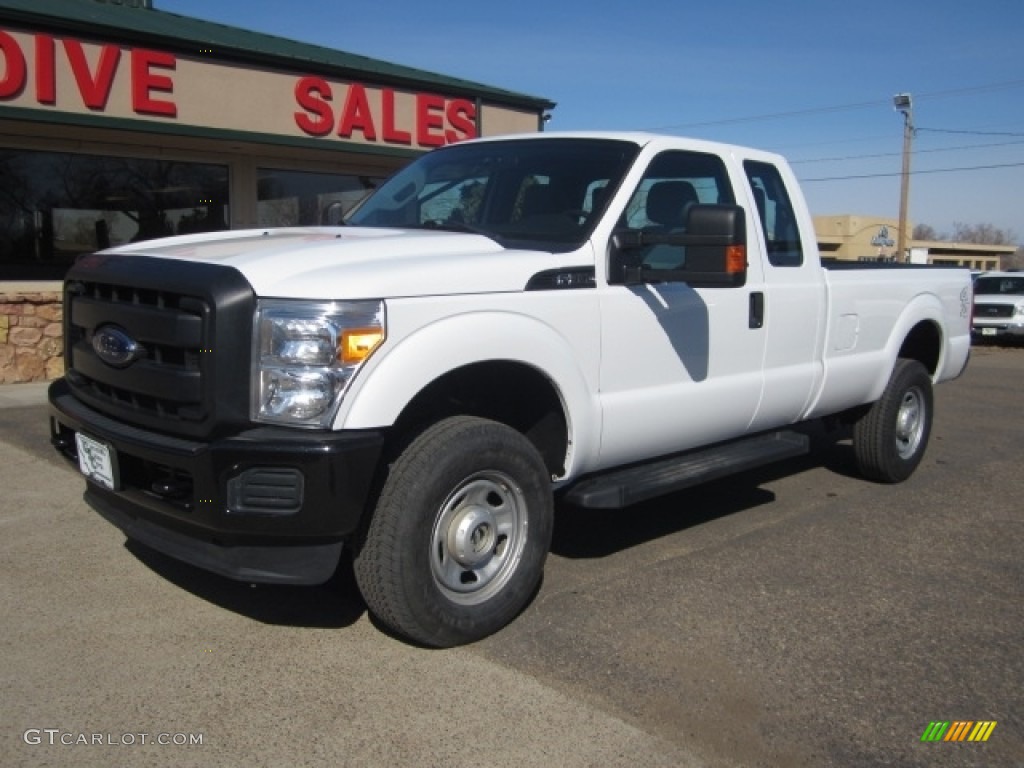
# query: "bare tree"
983 234
1016 261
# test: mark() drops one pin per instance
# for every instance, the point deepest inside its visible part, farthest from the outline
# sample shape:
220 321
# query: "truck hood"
357 262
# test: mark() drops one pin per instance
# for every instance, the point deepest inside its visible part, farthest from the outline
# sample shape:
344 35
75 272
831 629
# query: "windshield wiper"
452 225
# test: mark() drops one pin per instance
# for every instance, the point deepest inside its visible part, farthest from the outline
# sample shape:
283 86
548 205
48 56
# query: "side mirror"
710 253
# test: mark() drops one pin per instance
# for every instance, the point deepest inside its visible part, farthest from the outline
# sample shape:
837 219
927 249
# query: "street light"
902 102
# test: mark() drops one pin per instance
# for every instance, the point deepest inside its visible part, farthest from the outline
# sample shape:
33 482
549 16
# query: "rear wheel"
890 439
457 543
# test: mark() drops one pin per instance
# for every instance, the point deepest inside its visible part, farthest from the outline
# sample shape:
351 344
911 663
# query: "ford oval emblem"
115 347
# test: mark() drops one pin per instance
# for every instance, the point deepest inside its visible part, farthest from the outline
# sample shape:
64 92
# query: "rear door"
794 295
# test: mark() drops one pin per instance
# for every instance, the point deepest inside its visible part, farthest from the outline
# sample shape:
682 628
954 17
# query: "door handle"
756 319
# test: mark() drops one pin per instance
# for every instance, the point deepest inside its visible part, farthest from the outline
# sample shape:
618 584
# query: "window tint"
994 285
778 222
539 191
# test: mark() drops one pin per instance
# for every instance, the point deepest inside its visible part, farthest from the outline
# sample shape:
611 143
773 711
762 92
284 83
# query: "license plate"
988 331
98 461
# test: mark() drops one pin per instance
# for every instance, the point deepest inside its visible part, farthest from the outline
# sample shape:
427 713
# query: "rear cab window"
775 214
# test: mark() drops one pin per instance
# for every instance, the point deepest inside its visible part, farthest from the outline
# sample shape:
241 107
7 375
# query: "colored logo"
958 730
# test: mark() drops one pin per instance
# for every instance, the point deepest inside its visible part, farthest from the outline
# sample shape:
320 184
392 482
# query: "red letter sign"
312 94
14 67
429 116
46 66
144 81
357 115
462 117
95 90
391 133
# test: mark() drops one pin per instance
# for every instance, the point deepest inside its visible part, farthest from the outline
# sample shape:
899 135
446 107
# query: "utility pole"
902 103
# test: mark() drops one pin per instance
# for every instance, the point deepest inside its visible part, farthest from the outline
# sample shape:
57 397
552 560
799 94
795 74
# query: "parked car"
998 306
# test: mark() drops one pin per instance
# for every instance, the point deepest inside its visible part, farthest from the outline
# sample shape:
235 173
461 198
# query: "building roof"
964 249
185 34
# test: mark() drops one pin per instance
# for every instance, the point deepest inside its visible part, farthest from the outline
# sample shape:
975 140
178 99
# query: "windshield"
537 191
993 284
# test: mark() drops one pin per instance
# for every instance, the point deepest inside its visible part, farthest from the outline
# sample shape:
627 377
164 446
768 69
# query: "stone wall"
31 344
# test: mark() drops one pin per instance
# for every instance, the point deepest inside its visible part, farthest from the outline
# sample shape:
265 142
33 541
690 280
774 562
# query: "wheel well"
508 392
923 343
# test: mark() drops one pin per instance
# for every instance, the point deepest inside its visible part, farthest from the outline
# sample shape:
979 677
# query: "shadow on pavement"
595 533
334 604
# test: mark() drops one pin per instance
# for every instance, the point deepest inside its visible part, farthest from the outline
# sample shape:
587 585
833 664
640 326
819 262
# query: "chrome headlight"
306 353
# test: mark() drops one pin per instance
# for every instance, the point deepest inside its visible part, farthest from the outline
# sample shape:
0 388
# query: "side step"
623 487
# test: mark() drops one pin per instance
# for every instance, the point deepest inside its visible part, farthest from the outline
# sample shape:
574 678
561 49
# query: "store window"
303 198
55 206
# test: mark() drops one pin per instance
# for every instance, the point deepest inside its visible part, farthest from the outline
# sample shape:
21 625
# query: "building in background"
873 238
121 122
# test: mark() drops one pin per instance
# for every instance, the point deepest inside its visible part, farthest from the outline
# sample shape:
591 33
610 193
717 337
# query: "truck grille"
993 310
189 329
167 381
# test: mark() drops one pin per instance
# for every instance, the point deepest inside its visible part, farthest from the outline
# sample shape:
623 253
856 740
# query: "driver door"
680 367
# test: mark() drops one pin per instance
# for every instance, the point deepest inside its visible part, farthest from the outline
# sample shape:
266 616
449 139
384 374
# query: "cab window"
674 182
775 212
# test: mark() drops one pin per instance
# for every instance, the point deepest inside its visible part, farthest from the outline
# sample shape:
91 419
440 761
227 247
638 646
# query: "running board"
623 487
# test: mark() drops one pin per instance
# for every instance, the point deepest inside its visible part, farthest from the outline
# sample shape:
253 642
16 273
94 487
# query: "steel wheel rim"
478 537
910 423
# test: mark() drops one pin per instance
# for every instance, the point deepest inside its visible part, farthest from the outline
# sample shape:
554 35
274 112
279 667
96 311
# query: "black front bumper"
269 504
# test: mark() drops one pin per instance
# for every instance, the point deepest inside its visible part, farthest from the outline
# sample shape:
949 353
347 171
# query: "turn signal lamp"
735 259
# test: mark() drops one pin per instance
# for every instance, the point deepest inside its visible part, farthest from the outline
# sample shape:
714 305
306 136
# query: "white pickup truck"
597 318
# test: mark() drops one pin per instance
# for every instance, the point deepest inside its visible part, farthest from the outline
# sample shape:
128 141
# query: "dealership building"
122 122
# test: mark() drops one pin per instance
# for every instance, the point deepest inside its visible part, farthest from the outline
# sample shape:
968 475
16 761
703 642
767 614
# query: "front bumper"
270 504
995 330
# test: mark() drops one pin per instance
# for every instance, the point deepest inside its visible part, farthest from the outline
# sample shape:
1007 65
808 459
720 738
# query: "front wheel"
458 540
889 440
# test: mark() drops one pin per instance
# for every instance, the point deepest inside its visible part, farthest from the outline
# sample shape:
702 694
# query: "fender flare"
925 307
382 391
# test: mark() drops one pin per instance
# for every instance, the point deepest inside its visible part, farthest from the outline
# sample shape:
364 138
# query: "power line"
971 133
914 173
844 107
917 152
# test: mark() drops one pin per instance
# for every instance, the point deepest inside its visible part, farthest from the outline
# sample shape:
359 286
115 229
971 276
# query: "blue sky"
811 79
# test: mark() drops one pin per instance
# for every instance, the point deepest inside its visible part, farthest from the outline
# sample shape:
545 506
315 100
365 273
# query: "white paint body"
642 371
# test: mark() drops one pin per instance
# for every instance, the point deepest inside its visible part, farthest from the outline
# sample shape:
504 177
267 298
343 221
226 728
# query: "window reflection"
56 205
303 198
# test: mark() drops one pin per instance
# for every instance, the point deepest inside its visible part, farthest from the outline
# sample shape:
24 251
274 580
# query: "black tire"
457 543
889 440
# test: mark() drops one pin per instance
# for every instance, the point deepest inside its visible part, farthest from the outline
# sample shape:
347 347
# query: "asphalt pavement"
796 616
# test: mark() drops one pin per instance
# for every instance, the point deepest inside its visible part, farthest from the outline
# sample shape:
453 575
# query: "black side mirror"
712 251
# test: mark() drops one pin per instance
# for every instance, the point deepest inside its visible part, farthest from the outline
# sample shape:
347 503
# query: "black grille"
172 331
993 310
192 323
